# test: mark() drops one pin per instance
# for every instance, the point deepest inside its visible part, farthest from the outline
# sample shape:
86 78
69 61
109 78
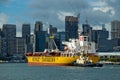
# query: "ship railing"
67 54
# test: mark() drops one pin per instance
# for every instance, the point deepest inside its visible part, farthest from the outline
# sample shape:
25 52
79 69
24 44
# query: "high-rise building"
39 37
40 41
25 30
59 38
52 30
87 30
115 29
9 39
38 26
0 45
4 47
100 37
20 46
71 27
32 43
26 36
0 42
9 31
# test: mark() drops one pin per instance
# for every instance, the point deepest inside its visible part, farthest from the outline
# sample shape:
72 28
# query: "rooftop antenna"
78 15
86 21
79 30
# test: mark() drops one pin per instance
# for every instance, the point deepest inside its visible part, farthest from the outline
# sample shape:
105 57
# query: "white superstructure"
79 45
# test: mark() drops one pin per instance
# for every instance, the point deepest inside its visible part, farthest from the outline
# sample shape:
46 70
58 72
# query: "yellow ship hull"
55 60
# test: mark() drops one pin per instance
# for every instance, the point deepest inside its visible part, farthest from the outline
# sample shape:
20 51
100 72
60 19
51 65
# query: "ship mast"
51 44
79 30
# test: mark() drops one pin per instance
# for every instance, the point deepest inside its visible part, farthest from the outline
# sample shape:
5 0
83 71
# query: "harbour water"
21 71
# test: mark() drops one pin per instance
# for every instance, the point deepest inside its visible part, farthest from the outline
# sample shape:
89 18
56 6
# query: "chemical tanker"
74 48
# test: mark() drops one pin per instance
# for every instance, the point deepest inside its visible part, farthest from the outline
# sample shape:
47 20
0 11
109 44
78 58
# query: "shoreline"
109 63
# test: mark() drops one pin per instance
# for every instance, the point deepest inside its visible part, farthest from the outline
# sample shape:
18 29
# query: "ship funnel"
83 40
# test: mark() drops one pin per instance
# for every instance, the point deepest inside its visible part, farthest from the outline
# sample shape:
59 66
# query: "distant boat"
88 65
84 61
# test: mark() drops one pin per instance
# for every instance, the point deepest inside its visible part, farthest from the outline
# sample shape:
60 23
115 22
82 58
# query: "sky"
53 12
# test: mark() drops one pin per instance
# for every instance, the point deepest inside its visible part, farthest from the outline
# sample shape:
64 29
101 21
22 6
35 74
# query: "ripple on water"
22 71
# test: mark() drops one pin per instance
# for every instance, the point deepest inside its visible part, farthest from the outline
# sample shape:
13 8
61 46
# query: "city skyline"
53 12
